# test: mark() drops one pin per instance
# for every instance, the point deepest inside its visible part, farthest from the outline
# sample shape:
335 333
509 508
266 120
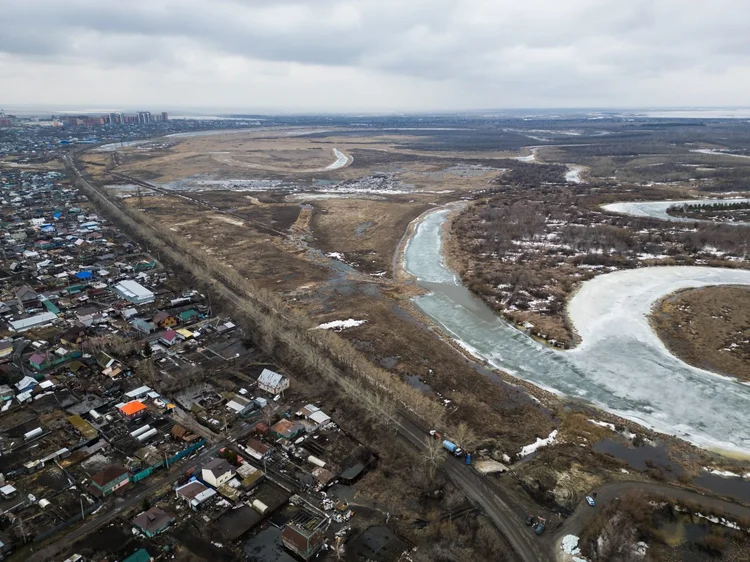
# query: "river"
621 366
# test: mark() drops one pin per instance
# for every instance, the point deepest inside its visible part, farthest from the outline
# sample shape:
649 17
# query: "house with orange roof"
132 408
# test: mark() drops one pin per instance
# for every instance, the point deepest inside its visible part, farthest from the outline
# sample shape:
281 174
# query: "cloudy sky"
374 55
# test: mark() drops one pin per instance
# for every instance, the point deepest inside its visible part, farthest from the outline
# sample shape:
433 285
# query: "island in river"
525 252
708 328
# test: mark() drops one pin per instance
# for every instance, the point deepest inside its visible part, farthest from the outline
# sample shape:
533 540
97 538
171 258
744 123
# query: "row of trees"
689 208
282 333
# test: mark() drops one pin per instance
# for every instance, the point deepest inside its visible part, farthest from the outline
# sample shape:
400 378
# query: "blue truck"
452 448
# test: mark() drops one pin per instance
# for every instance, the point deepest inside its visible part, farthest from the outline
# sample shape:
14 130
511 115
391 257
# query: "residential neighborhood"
130 409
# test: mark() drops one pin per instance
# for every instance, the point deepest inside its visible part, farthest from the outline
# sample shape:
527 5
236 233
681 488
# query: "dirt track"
584 513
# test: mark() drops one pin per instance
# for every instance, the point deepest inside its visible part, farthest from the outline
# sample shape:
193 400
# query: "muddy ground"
708 328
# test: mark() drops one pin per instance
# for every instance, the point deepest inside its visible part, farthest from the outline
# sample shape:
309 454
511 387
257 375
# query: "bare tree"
268 415
465 436
147 371
433 456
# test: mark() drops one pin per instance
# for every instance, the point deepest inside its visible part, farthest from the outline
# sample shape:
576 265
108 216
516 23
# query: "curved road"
584 513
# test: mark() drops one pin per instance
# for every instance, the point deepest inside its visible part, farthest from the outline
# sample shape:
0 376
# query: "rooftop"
153 520
132 290
109 473
270 378
132 407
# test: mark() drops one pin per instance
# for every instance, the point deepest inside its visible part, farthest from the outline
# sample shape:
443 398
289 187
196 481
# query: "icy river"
658 209
621 365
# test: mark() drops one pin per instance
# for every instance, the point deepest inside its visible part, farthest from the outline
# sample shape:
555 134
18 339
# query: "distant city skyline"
375 55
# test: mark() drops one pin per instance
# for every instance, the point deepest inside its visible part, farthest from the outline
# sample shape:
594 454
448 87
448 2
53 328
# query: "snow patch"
603 424
726 473
339 325
528 449
625 433
573 175
570 546
530 158
341 160
335 255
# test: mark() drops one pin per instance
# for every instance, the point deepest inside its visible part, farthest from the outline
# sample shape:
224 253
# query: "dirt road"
497 505
94 523
584 513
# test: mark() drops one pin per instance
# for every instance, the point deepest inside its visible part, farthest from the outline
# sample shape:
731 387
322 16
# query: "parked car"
435 434
590 501
530 520
539 528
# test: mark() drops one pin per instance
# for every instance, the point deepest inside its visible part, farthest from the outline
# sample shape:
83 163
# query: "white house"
272 382
217 472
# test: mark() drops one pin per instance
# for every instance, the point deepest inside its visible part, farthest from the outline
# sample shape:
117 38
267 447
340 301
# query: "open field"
280 155
366 232
358 214
325 242
708 328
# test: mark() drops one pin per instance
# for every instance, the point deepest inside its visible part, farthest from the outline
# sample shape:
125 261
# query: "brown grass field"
278 240
708 328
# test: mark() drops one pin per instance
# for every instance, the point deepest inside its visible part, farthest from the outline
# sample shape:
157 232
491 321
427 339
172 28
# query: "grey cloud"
485 44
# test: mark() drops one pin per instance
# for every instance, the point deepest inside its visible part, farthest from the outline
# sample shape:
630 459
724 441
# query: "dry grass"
366 231
708 328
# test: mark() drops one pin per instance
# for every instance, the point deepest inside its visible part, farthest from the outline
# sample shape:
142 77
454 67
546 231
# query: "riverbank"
621 366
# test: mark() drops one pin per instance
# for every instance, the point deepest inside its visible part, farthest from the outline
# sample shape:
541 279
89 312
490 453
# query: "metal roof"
270 378
132 290
30 322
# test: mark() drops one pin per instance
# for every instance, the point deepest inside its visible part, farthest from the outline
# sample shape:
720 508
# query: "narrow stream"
621 365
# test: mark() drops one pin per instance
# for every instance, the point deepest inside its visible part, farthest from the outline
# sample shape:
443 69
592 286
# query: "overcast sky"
374 55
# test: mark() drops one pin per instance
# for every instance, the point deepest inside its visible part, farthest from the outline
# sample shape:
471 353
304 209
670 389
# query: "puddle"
342 492
389 362
641 458
360 229
682 531
266 547
736 488
415 382
378 544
